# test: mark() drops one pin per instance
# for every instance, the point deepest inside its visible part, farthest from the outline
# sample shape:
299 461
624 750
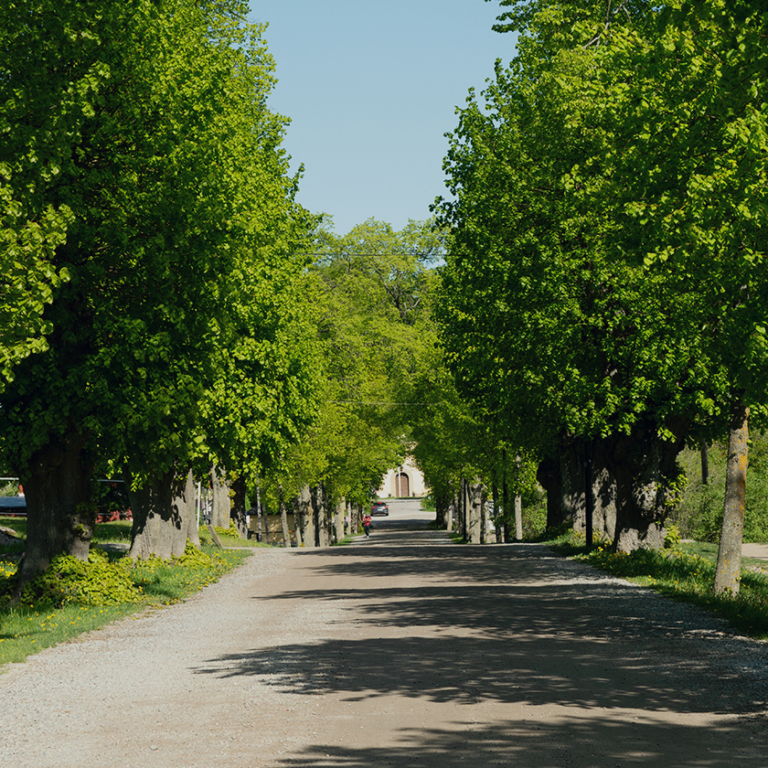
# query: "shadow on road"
566 744
514 624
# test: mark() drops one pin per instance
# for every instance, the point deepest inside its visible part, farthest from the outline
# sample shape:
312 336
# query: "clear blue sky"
371 86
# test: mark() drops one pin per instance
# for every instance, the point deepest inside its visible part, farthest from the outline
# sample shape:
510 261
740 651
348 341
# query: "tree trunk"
484 533
284 521
549 476
465 509
161 516
572 501
307 515
646 473
496 517
297 523
704 463
265 521
728 571
338 520
60 516
190 513
239 513
221 501
322 518
504 497
259 535
474 512
518 499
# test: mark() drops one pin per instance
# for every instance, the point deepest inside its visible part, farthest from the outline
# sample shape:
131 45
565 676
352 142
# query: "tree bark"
307 514
60 516
549 476
704 463
190 513
338 519
484 517
221 502
518 499
504 496
297 522
238 512
645 469
161 516
322 518
474 512
284 521
728 571
465 509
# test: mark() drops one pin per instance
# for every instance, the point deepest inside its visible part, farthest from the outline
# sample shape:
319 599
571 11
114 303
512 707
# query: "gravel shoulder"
403 650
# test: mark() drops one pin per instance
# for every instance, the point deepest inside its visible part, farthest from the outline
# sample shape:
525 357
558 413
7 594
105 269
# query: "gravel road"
403 650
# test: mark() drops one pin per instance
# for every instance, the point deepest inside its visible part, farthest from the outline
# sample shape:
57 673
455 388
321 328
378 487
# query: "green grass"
25 630
686 573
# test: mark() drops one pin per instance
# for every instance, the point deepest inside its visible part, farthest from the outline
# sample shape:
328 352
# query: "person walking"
367 525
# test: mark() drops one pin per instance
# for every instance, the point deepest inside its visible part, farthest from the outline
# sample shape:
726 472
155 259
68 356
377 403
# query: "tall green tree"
179 199
543 326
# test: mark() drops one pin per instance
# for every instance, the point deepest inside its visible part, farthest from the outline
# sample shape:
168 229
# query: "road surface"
403 650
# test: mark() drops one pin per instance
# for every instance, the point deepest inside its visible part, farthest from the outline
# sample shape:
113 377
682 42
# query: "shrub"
92 582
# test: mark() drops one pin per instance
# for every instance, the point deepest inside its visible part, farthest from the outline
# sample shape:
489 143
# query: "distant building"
405 480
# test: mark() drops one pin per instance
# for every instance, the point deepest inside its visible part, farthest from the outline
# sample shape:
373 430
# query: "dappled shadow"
530 670
574 741
512 625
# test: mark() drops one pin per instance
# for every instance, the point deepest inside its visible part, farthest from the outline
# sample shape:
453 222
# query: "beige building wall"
405 480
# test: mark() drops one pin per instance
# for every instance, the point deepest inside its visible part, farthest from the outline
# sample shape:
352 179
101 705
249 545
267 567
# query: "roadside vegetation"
681 571
73 596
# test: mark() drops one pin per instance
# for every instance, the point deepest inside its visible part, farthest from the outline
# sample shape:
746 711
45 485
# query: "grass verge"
685 573
25 630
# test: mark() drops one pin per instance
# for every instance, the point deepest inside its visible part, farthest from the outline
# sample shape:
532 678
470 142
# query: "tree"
163 227
543 326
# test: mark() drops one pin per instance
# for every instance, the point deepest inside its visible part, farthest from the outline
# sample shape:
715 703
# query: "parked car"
379 509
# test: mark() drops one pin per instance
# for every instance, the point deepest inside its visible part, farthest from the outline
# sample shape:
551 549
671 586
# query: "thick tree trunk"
338 519
297 523
571 460
568 502
284 521
549 477
465 509
474 512
60 517
518 499
189 497
239 512
161 516
307 515
484 521
603 493
221 501
450 516
496 516
645 470
322 517
504 497
728 571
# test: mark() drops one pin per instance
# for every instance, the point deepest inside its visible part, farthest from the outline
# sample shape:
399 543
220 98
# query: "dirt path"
400 651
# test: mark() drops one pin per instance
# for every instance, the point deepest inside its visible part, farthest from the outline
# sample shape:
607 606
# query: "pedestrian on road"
367 525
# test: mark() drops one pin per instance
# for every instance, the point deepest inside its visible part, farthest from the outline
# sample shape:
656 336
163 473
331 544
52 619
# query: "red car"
379 509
